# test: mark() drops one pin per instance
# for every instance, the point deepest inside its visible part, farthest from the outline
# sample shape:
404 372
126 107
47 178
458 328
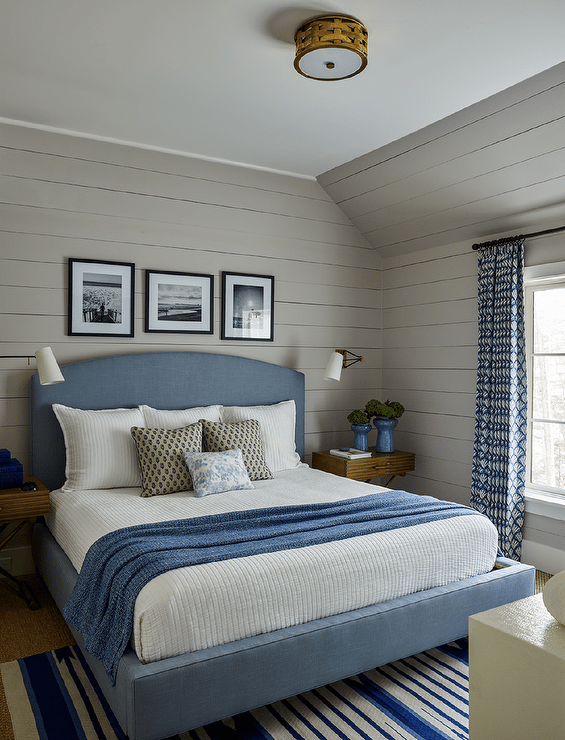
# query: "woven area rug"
53 696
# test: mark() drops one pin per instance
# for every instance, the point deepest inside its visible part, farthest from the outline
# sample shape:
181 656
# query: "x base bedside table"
21 507
379 465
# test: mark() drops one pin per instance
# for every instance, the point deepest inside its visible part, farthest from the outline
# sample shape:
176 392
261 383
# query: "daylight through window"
546 385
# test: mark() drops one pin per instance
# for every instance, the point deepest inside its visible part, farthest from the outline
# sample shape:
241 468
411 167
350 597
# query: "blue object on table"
11 472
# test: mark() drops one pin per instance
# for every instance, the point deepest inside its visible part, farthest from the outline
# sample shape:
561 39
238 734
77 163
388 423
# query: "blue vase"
385 436
361 431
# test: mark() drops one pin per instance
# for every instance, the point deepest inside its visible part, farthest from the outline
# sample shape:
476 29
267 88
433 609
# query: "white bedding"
253 595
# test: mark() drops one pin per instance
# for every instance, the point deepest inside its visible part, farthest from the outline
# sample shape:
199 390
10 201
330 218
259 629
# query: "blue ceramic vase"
385 437
361 431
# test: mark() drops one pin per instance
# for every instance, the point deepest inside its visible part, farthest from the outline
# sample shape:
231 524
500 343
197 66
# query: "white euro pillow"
100 450
176 418
278 424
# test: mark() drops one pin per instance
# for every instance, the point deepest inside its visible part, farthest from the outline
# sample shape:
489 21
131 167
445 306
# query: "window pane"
548 395
548 454
549 320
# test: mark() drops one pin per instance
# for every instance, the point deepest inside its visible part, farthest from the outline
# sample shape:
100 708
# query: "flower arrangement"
388 409
358 417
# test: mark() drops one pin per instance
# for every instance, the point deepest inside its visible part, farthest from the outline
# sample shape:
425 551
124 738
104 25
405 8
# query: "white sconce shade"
334 367
338 360
47 367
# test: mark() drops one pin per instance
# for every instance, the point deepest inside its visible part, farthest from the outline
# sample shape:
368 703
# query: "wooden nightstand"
379 465
21 507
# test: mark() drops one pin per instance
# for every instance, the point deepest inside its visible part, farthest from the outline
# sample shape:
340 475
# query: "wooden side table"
21 507
379 465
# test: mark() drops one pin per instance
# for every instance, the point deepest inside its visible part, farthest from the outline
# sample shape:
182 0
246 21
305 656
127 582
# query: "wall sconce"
47 367
338 360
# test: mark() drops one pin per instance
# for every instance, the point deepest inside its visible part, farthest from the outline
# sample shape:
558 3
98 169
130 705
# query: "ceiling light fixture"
331 47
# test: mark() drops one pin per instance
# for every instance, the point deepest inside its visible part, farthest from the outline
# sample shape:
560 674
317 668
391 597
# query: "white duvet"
212 604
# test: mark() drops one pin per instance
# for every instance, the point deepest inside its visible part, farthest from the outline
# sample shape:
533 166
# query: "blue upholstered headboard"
164 380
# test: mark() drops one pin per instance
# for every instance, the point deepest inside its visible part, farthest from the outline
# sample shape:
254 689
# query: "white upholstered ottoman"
516 673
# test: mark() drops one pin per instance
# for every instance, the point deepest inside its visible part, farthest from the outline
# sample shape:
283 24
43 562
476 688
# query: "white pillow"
100 450
217 472
176 418
278 423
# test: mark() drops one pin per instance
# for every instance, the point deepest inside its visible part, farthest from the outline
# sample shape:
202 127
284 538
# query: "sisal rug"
53 696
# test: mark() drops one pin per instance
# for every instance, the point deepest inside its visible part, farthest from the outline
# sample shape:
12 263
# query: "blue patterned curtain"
499 459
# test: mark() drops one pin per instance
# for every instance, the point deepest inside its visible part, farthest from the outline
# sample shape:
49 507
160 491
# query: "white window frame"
539 277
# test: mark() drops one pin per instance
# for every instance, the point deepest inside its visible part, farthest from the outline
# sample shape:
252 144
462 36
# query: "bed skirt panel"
194 689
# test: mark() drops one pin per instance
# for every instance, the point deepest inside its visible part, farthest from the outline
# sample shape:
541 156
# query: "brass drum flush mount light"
331 47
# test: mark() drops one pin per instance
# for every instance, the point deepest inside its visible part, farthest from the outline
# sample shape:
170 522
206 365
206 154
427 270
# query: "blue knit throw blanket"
121 563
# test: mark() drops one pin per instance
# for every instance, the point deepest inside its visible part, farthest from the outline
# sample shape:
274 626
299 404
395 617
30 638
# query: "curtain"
499 457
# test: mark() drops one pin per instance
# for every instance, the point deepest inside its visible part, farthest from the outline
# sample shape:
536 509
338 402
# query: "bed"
190 685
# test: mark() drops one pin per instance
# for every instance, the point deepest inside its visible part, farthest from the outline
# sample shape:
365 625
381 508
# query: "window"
545 325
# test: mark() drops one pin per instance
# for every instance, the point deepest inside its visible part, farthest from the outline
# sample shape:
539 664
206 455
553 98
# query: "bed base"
161 699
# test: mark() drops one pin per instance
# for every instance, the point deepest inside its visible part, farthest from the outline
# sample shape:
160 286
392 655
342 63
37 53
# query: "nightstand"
21 507
380 464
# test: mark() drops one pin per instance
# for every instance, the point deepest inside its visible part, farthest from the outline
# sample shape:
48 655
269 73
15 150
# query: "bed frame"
161 699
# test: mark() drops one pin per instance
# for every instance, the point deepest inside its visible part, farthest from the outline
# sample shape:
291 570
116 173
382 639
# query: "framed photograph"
101 298
180 302
248 306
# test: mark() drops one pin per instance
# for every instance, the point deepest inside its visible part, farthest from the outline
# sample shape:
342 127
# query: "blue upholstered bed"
162 698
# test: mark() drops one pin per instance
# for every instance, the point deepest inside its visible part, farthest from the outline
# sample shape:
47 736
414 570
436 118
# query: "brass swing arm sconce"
346 362
47 366
338 360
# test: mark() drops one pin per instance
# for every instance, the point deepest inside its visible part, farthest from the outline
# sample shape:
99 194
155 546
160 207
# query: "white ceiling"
215 78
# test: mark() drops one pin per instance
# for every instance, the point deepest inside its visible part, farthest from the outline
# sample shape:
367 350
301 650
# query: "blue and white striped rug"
53 696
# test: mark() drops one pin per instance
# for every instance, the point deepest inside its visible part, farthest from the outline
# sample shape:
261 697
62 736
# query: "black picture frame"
101 298
248 307
179 302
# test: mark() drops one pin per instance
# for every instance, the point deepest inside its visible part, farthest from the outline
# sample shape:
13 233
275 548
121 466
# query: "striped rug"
53 696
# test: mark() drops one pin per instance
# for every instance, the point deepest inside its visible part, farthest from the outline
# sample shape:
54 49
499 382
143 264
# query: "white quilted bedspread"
198 607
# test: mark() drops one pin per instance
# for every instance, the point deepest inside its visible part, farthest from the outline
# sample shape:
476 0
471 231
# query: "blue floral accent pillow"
217 472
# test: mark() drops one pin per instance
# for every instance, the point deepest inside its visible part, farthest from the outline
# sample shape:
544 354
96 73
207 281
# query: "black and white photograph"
179 302
101 298
248 306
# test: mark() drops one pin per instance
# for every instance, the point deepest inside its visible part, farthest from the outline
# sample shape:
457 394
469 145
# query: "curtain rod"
506 239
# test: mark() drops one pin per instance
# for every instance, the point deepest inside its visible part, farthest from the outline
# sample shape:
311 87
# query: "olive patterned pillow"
245 435
161 458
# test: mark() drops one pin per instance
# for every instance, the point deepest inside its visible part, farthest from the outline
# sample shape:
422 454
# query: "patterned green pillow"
161 457
245 435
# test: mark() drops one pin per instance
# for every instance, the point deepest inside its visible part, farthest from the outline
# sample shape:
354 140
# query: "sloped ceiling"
215 79
494 169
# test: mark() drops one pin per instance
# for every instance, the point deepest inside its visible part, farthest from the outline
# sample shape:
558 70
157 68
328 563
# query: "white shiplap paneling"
429 364
66 197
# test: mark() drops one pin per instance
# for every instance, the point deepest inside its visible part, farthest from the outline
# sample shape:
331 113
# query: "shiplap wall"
68 197
429 364
64 197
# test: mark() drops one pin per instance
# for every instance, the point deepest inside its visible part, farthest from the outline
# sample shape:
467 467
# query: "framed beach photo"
179 302
101 298
248 303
